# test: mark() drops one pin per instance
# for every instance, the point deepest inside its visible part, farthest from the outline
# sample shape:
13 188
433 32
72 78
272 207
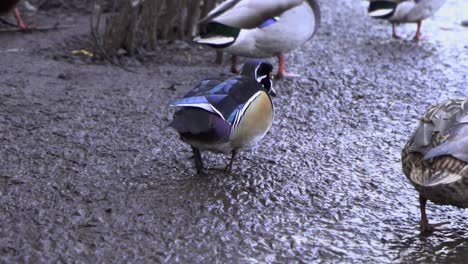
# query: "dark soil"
89 172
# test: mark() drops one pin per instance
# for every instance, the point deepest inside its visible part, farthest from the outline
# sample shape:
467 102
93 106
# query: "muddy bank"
89 171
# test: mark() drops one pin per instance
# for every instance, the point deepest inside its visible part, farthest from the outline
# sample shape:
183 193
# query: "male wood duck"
435 159
260 28
7 5
226 112
404 11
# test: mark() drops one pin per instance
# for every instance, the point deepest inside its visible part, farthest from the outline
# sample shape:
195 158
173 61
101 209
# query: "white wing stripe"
380 12
206 106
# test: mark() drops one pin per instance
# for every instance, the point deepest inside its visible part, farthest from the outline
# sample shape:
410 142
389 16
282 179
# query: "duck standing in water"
7 5
435 159
404 11
226 112
260 28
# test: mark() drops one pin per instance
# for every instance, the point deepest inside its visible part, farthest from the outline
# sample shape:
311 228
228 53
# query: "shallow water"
90 173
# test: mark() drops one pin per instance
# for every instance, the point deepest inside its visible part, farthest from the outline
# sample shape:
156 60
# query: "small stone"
64 76
121 52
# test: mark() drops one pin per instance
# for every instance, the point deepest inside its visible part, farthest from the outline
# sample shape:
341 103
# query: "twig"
41 28
11 50
8 23
98 44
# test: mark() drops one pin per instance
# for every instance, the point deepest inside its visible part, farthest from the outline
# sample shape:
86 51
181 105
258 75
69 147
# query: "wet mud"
89 172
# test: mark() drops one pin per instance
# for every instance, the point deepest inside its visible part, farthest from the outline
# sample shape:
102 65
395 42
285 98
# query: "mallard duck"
7 5
404 11
435 159
226 112
260 28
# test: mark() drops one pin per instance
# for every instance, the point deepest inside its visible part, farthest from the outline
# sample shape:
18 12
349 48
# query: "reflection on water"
447 246
350 200
446 25
327 184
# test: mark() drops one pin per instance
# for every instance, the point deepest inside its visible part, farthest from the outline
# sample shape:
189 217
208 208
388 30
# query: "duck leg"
281 69
21 24
229 166
425 226
219 57
418 34
234 62
198 160
394 33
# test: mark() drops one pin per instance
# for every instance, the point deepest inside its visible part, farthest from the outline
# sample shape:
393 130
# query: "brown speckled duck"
435 159
7 5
